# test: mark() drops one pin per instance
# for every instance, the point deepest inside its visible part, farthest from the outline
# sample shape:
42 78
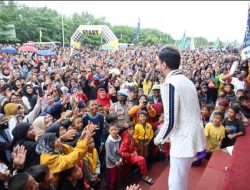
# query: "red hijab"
103 101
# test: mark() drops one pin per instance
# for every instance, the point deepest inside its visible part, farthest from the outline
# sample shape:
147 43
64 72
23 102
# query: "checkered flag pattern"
108 34
77 36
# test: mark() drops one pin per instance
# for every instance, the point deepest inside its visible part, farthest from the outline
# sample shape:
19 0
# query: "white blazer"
182 123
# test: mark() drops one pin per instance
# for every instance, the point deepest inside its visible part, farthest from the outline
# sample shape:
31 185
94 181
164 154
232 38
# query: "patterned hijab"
47 144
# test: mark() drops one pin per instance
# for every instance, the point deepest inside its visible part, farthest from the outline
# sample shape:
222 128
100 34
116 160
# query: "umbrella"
45 53
28 48
9 50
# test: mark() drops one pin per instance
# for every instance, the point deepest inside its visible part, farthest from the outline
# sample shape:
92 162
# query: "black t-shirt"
236 126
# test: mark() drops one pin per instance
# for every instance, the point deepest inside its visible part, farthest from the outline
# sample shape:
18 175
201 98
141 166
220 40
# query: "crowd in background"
76 120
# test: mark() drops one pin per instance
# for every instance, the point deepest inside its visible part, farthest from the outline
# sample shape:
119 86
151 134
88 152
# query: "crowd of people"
75 120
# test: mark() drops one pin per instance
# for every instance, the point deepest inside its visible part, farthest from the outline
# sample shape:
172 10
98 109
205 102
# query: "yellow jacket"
60 162
142 133
135 110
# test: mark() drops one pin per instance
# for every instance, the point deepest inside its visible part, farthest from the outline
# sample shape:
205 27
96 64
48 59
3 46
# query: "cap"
156 87
123 92
223 102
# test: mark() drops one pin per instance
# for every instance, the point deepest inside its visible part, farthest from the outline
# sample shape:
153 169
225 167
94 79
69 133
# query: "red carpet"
214 174
238 173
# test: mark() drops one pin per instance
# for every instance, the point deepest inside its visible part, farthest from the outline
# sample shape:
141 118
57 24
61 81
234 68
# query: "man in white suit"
182 123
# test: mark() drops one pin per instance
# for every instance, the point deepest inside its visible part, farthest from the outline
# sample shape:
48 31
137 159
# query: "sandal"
148 180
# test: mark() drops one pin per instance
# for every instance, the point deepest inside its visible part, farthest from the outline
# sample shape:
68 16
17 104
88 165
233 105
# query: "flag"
183 42
136 37
40 35
226 45
246 44
192 46
217 43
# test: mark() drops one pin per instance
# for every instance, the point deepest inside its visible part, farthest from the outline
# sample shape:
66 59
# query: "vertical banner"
136 38
246 44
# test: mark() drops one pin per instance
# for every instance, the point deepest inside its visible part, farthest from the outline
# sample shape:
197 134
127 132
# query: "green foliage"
29 21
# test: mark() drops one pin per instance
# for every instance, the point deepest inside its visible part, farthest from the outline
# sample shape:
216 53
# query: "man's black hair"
243 98
171 57
235 108
5 87
229 84
39 172
18 182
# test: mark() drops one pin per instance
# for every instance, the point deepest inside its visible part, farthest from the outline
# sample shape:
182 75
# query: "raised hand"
88 131
69 135
19 156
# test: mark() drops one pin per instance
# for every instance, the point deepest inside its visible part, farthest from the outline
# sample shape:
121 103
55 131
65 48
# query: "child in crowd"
215 132
233 127
91 166
205 114
222 106
43 176
128 151
143 134
245 106
93 116
113 159
229 92
77 126
71 179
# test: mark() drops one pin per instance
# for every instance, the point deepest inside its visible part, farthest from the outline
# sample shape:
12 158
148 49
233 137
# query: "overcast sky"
226 20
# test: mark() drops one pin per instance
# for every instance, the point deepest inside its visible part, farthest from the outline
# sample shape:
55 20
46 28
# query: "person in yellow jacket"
143 134
143 105
59 157
92 166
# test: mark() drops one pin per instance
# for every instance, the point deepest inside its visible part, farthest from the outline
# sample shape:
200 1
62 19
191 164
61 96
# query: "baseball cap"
123 92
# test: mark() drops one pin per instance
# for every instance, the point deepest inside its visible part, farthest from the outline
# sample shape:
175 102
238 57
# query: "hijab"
20 133
54 128
10 109
39 126
47 144
103 101
31 97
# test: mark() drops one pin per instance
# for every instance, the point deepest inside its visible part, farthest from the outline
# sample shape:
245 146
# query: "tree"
29 21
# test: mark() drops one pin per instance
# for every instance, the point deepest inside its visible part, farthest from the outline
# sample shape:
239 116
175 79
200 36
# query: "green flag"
226 45
217 44
183 42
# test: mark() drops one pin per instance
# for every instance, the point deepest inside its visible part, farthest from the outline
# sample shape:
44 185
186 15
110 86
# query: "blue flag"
136 38
246 44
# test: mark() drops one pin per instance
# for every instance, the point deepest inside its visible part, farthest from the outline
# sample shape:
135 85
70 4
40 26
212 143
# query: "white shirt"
182 123
238 84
